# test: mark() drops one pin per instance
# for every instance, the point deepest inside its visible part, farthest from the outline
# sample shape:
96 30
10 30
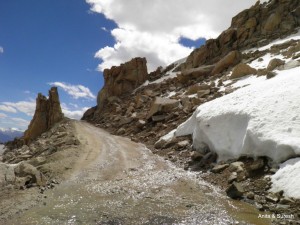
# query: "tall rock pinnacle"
47 113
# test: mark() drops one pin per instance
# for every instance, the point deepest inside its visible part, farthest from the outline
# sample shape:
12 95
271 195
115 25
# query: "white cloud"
6 108
9 122
76 91
75 113
152 29
12 109
1 50
27 107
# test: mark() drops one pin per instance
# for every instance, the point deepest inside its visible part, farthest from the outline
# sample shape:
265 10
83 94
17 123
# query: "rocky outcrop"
123 79
250 28
47 113
231 59
162 105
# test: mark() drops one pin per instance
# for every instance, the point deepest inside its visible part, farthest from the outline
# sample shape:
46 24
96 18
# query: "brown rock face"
250 28
231 59
47 113
123 79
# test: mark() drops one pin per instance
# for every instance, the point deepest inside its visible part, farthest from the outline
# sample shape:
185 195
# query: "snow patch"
249 80
295 36
258 120
287 178
170 74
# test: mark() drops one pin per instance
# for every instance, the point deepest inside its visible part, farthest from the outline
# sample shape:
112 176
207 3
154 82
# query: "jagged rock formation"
123 79
251 28
47 113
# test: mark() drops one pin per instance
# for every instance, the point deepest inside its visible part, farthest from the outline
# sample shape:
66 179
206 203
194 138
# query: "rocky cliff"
47 113
252 27
123 79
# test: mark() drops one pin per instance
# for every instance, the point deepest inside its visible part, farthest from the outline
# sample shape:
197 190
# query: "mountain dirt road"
117 181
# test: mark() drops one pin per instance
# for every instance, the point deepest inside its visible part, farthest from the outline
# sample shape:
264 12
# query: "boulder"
183 144
202 93
272 23
47 113
161 143
236 166
250 195
271 74
274 63
196 87
162 105
233 177
235 190
196 156
219 168
271 197
121 131
123 79
194 73
30 173
231 59
241 70
257 164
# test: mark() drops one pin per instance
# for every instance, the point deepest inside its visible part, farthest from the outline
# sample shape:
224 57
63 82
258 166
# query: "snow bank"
287 179
262 119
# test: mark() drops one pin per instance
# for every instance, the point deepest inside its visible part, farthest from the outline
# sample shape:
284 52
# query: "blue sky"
48 41
68 43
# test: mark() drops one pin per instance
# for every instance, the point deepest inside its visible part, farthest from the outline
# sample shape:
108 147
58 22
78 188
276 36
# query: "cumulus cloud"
10 118
1 50
27 107
153 29
16 122
73 111
75 114
7 108
76 91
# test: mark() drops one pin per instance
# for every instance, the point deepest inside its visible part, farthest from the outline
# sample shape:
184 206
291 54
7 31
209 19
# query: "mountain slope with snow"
9 134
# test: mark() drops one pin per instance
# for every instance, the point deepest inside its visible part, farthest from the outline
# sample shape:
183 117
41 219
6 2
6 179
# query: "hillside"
175 145
231 102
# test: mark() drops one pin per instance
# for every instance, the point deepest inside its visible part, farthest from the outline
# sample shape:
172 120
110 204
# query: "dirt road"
117 181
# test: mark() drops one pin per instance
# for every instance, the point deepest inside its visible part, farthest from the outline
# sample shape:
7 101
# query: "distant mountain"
9 134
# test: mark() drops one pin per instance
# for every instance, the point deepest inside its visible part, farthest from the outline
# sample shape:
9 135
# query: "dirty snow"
287 178
260 119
